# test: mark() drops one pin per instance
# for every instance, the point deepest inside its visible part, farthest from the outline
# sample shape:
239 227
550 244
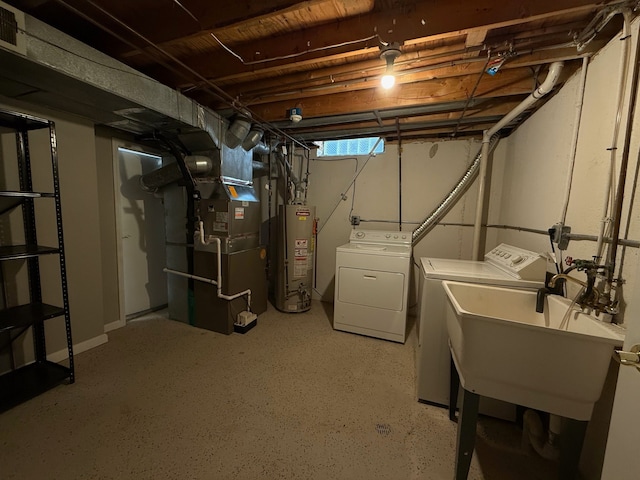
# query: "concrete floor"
291 399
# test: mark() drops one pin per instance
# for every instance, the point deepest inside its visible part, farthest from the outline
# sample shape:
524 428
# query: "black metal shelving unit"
25 382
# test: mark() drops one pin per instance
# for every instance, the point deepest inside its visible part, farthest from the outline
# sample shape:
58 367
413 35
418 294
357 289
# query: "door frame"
116 145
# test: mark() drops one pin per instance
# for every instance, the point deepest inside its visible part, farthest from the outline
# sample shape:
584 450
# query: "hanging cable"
188 12
473 92
343 196
292 55
217 91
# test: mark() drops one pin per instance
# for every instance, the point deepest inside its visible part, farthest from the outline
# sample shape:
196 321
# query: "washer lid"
470 271
376 249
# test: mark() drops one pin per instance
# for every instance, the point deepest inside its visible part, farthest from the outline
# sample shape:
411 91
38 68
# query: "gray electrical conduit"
452 198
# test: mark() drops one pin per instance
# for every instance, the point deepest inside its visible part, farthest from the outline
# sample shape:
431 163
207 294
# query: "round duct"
253 138
238 131
197 165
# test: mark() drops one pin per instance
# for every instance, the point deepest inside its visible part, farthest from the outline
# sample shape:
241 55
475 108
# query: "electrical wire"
212 88
473 92
76 54
353 193
343 196
188 12
292 55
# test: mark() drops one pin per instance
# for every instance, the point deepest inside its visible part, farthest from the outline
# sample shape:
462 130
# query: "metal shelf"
10 200
21 122
17 252
29 381
7 203
27 315
26 382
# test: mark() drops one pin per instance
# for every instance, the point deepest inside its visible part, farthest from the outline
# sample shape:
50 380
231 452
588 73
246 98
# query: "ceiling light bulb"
388 81
389 52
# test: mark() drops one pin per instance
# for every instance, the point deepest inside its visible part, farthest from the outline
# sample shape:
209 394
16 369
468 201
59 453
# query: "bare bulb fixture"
389 53
388 81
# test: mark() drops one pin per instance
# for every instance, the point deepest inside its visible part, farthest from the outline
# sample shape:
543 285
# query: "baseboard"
61 355
114 325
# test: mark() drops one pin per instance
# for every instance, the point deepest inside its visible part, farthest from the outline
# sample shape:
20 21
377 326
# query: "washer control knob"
517 260
360 235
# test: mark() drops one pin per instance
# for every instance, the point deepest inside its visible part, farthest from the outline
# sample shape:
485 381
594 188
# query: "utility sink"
548 361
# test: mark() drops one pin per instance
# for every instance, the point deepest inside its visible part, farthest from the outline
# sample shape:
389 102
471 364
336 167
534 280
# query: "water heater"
295 260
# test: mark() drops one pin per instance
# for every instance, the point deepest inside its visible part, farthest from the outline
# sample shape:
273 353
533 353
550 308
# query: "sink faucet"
591 297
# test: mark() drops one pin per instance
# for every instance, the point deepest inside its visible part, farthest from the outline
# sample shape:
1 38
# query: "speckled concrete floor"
291 399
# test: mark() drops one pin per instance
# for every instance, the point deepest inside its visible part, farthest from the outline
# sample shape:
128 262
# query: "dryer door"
371 288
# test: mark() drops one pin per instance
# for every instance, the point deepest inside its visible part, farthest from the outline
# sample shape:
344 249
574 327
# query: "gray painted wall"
81 221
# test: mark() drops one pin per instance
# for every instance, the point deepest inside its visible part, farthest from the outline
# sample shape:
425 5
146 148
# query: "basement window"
354 146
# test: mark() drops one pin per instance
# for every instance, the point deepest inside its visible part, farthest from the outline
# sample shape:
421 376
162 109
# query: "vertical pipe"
477 230
574 141
399 174
624 162
609 198
542 90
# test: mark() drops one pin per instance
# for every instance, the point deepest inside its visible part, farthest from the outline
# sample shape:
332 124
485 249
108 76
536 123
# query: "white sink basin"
506 350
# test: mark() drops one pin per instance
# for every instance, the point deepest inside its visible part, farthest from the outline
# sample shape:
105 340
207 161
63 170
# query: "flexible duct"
489 142
452 198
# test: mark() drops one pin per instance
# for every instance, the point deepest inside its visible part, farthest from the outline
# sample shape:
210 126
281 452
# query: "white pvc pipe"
541 91
552 78
188 275
574 141
217 282
609 198
482 179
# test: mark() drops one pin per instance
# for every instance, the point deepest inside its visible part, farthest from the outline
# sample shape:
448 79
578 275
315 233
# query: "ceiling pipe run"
552 78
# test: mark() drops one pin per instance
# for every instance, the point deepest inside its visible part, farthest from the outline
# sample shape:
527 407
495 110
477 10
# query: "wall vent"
12 33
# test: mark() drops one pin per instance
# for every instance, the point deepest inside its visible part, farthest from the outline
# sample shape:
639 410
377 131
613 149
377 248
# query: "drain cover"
383 429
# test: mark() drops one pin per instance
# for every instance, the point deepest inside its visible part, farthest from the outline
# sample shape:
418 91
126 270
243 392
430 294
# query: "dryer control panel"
518 262
380 236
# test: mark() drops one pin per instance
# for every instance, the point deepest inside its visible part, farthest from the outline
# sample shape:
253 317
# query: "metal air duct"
198 165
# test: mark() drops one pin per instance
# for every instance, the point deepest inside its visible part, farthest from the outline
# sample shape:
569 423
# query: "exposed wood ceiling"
324 56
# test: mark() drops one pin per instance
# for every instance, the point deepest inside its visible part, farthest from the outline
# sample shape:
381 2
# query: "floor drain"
383 429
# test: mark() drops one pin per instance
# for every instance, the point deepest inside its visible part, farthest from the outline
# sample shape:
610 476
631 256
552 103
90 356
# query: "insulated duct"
452 198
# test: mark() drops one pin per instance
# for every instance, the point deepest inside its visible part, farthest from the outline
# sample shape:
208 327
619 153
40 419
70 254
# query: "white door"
622 459
142 238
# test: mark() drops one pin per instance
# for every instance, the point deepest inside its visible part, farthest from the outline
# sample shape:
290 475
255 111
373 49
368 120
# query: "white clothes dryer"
504 265
372 284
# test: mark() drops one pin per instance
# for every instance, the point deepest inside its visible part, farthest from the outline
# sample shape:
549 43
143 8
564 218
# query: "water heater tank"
295 261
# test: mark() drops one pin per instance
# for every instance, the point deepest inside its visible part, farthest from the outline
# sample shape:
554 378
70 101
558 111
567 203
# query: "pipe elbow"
552 78
540 297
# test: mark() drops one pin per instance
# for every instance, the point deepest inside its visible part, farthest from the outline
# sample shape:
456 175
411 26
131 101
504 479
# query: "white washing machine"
372 284
504 265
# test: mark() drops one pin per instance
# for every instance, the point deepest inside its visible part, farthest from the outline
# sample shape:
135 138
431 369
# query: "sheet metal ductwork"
452 198
198 165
